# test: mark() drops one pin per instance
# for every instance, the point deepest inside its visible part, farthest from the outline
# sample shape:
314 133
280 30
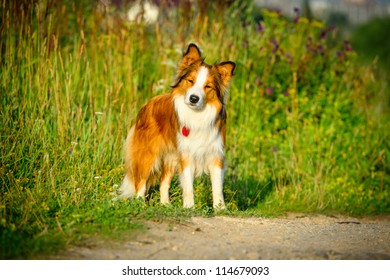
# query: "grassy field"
308 126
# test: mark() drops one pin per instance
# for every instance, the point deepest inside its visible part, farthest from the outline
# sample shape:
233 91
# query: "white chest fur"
204 141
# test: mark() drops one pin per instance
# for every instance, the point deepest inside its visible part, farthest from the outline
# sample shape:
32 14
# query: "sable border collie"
183 131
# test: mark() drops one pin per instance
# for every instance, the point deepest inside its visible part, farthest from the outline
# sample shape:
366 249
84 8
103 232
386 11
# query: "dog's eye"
190 81
208 87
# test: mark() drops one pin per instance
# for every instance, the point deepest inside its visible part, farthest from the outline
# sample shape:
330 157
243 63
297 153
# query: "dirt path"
293 237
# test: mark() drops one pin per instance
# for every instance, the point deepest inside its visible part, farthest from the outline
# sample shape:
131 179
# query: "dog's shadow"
240 193
246 193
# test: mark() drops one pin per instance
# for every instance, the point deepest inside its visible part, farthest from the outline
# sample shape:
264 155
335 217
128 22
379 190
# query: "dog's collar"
185 131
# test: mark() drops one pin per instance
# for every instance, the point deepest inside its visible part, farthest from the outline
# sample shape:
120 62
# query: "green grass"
308 128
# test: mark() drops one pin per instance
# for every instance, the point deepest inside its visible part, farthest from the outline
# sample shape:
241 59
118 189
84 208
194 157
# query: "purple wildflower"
324 32
297 12
321 49
275 149
274 42
275 45
347 46
285 93
260 27
289 58
269 91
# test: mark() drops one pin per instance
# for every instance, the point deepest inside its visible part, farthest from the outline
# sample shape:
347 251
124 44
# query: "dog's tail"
127 188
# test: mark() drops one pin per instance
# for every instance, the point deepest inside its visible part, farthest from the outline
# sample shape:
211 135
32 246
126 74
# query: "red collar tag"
185 131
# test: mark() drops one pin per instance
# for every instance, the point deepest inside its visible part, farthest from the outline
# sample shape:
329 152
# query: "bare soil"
293 237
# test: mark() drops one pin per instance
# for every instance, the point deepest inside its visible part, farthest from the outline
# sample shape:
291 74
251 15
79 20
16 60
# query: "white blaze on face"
195 95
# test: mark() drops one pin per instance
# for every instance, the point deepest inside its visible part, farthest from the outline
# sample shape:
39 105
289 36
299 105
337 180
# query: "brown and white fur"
183 131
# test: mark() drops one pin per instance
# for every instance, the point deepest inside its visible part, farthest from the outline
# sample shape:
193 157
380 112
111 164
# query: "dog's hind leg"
141 189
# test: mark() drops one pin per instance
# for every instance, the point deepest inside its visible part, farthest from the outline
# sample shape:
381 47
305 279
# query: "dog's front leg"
216 176
186 182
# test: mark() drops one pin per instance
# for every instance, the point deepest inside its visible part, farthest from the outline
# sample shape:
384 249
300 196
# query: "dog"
182 131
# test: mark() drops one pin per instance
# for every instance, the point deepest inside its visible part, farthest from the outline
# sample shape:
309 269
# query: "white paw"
165 201
188 203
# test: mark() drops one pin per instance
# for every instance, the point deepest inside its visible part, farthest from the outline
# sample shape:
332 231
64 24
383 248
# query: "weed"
304 129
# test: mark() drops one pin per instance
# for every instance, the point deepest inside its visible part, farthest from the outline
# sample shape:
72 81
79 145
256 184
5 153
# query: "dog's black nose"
194 99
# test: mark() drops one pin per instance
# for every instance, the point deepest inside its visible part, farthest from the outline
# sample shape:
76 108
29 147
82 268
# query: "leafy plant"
304 132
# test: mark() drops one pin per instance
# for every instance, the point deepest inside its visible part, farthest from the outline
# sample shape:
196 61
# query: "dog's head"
200 83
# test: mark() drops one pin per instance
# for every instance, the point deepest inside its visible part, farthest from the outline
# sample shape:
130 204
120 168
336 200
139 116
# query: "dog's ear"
226 70
191 56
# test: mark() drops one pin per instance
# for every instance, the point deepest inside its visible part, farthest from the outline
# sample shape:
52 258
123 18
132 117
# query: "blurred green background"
308 113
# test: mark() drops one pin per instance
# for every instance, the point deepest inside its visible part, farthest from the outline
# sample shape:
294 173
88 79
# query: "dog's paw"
188 204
